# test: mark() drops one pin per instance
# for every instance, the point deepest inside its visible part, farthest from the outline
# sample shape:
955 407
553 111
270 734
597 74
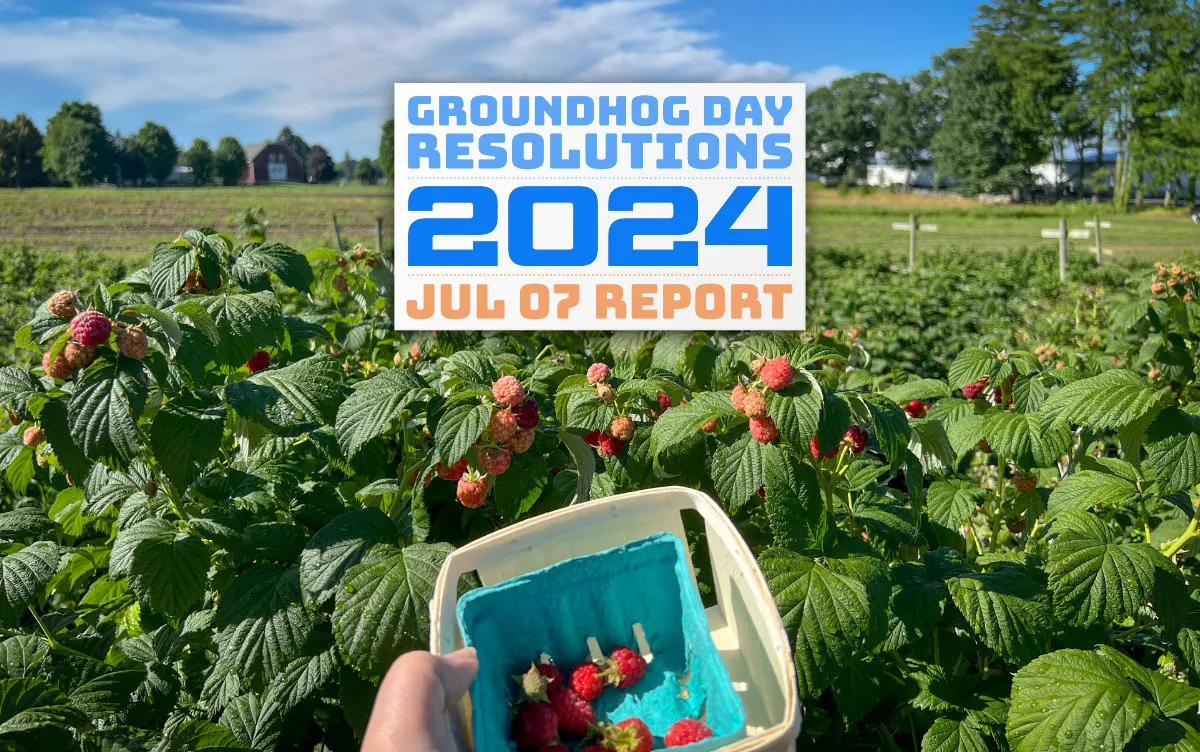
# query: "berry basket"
733 657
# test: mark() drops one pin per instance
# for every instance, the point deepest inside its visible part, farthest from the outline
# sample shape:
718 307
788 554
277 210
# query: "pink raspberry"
856 438
259 361
757 364
63 304
495 460
452 473
132 343
738 398
754 406
508 391
78 356
763 430
502 426
472 490
622 428
521 441
414 352
610 445
598 372
776 374
33 436
710 426
527 414
59 369
90 328
973 390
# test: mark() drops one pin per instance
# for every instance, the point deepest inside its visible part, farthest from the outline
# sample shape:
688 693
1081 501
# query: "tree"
346 167
319 165
229 161
365 172
20 160
387 150
844 120
76 149
289 139
157 149
130 166
199 157
906 134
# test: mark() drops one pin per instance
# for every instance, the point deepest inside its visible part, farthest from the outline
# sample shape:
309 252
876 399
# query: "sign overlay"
600 206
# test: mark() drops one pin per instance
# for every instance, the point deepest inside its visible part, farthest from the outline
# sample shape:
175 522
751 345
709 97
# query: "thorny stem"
54 644
1173 547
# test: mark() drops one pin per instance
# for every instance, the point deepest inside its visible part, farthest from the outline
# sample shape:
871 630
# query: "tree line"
1059 81
77 150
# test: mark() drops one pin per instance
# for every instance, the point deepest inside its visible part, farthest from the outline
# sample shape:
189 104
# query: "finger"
456 671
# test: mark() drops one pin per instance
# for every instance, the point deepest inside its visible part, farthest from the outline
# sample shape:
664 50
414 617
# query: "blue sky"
210 68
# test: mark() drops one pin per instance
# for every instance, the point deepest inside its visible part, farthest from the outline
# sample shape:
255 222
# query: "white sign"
600 206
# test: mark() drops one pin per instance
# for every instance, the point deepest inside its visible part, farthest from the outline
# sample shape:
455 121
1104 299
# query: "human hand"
411 712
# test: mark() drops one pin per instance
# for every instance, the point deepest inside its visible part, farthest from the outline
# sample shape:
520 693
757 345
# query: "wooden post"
1062 249
337 235
912 241
1099 251
379 235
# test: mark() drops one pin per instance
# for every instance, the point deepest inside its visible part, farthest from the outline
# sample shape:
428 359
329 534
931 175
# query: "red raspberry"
710 426
453 473
973 390
132 343
259 361
495 460
1025 483
502 426
757 364
90 328
664 402
630 735
763 430
587 679
575 714
508 391
776 374
916 409
521 441
831 333
762 492
626 667
814 447
610 445
540 682
78 356
472 490
622 428
527 414
63 304
754 406
59 369
536 725
553 677
856 438
592 438
558 748
33 436
686 731
595 748
598 372
606 393
414 352
738 398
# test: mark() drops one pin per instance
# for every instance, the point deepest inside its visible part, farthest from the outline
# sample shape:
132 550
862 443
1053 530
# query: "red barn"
271 163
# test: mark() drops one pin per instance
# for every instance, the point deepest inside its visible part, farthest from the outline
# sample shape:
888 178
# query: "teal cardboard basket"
555 609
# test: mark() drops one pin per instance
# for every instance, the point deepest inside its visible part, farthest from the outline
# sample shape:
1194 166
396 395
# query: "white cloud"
310 60
822 76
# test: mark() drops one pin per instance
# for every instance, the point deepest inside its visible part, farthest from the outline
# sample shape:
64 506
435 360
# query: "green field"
136 219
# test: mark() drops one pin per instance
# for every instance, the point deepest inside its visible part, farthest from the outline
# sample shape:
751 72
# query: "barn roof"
253 150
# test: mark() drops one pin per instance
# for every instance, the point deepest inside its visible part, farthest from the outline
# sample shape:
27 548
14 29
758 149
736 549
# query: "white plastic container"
744 623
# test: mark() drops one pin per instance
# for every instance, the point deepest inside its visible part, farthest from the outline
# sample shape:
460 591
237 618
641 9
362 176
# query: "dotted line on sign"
481 176
567 274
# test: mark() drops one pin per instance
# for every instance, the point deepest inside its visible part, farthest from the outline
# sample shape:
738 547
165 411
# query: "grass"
134 220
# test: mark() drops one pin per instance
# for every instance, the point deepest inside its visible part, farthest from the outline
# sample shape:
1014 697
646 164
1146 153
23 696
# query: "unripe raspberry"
738 398
763 430
508 391
452 473
776 373
472 490
91 328
132 343
33 436
754 406
710 426
757 364
1025 483
59 369
527 414
341 261
359 253
398 359
855 438
815 448
371 262
495 460
521 441
259 361
63 304
502 426
414 352
14 418
622 428
606 393
610 445
78 356
916 409
598 372
339 283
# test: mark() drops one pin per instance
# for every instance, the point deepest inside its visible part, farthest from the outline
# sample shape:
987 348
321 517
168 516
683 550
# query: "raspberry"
59 369
527 414
972 391
856 438
587 679
757 364
539 682
414 352
536 725
359 253
710 426
610 445
33 436
1016 527
453 473
78 356
606 393
916 409
502 426
686 731
814 447
62 304
598 372
626 667
754 406
14 418
622 428
776 374
398 360
592 438
738 398
341 261
495 460
472 490
91 328
575 714
508 391
371 262
763 430
521 441
339 283
762 492
132 343
630 735
1025 483
984 447
259 361
664 402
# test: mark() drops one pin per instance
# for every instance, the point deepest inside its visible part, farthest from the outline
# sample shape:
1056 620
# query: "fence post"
379 235
337 235
1062 249
912 241
1099 251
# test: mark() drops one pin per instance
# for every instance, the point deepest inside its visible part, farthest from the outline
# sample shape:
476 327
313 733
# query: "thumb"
456 671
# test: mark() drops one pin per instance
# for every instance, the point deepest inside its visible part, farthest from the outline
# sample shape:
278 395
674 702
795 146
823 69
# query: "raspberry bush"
224 542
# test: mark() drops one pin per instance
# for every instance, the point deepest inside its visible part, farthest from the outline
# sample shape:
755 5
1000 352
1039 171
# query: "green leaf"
738 469
105 409
169 570
1074 701
794 507
929 443
199 735
1173 450
917 600
681 425
585 465
890 521
1110 400
796 409
891 427
971 364
67 511
255 721
245 323
108 693
105 487
1085 489
952 735
170 265
459 429
374 404
950 503
339 546
16 387
468 368
261 622
303 677
24 576
23 523
185 436
308 390
383 605
518 489
918 389
291 267
1026 438
1006 608
34 714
